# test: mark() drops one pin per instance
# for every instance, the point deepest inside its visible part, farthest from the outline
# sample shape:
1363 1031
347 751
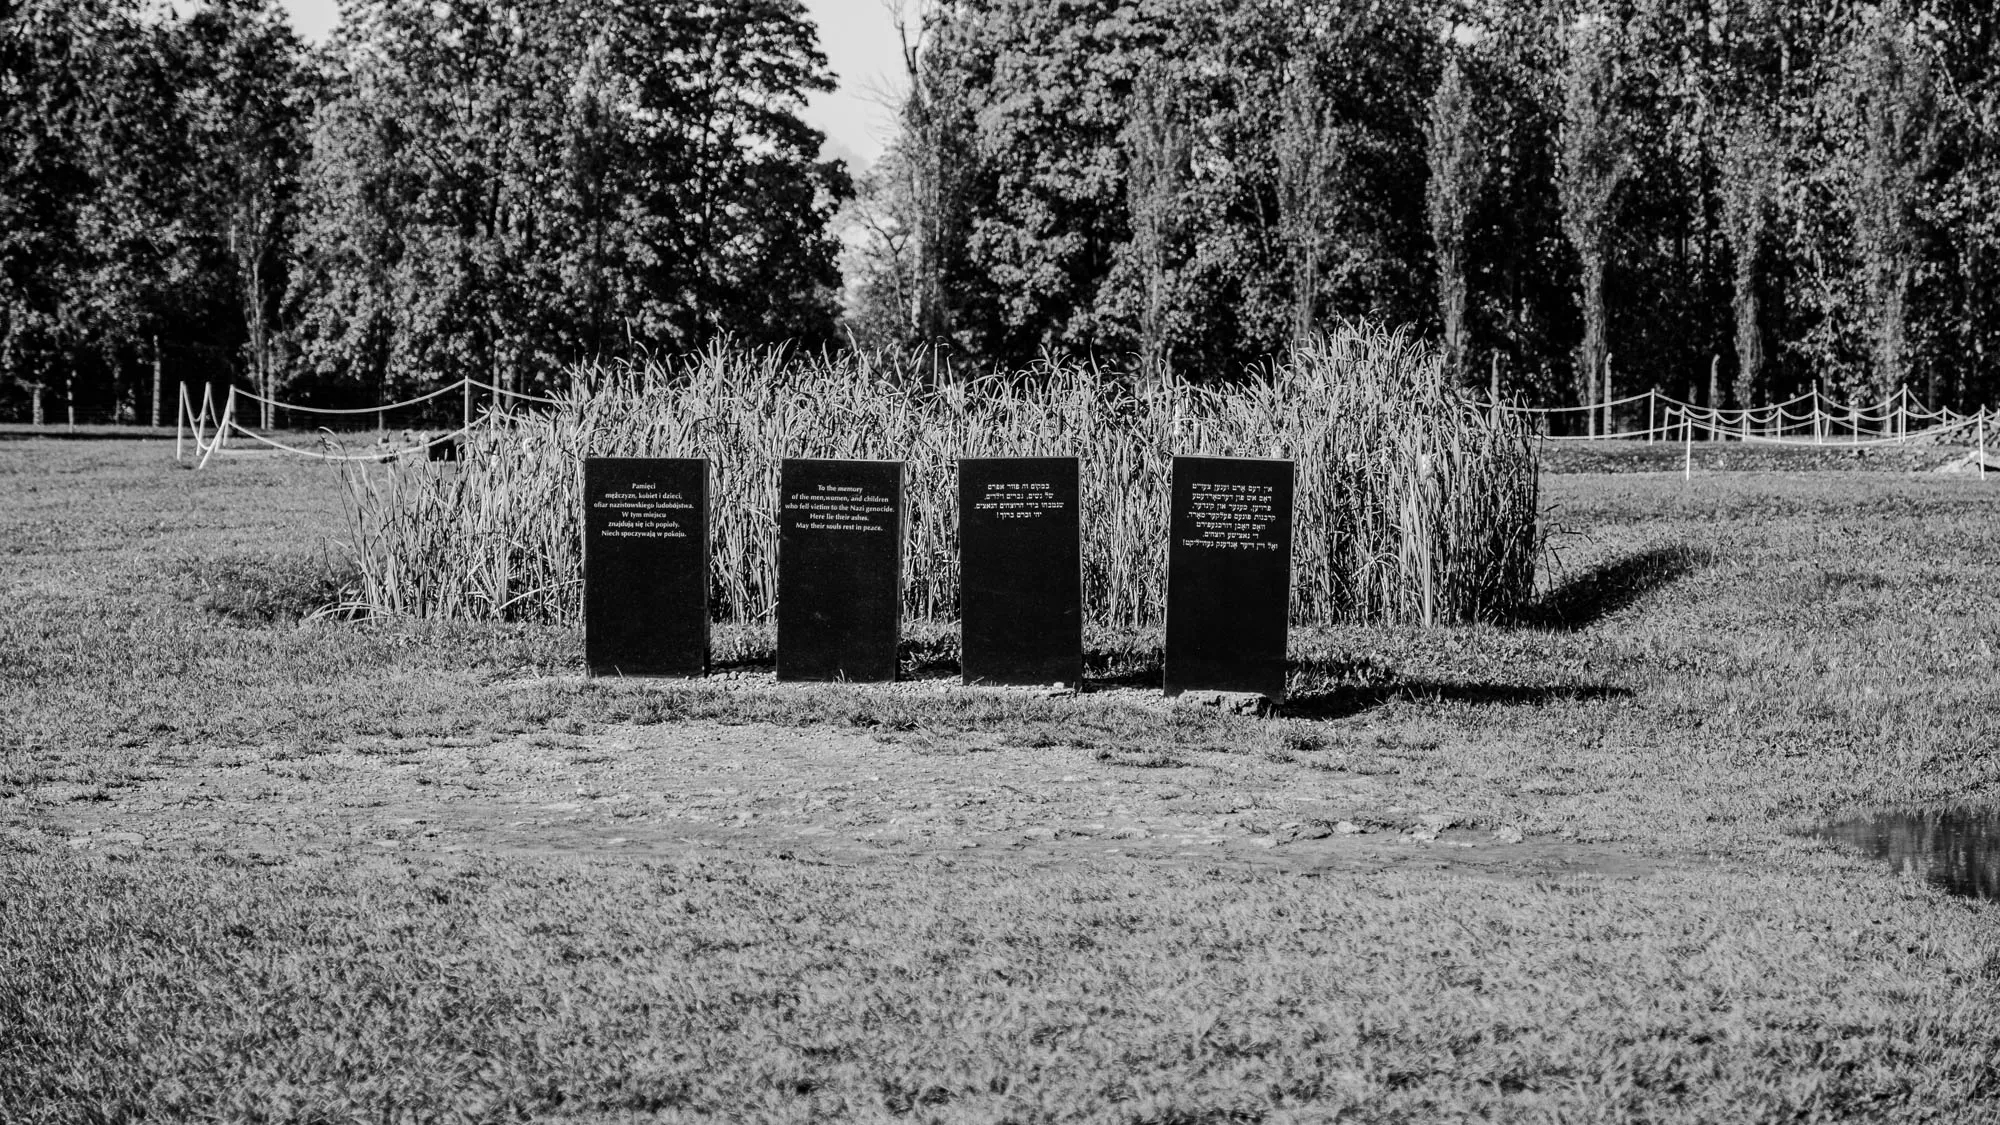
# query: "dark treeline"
1738 199
493 188
1758 193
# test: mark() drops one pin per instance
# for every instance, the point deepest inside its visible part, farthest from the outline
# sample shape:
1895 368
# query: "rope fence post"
223 422
466 384
181 409
1608 427
1687 457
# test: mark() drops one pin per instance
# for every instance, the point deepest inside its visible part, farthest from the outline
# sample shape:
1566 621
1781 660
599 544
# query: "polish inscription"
645 511
645 566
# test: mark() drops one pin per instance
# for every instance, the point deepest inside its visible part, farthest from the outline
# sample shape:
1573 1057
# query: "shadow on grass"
1583 599
1343 701
263 589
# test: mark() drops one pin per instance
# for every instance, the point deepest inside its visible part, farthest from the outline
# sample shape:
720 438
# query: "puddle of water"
1957 849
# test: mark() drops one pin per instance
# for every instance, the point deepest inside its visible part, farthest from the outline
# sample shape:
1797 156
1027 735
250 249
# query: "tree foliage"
499 190
494 188
1794 194
1797 193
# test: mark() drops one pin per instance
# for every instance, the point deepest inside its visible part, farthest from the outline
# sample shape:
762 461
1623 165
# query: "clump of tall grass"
1413 503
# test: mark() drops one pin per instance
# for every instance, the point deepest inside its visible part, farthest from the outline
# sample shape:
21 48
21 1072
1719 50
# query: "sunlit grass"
1710 666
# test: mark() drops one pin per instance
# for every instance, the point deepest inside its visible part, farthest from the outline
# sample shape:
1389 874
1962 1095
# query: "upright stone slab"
1020 571
840 569
645 566
1229 575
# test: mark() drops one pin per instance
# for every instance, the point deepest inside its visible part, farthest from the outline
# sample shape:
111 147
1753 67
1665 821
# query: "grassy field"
259 867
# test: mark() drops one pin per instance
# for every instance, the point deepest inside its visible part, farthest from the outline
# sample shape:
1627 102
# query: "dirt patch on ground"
633 793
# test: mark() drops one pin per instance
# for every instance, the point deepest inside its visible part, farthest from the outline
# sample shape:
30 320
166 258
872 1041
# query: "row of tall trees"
493 188
1742 198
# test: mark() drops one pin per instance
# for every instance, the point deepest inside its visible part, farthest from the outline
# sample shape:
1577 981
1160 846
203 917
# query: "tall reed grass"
1413 503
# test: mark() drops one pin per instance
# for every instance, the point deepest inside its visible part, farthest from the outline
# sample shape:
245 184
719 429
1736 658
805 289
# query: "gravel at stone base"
838 796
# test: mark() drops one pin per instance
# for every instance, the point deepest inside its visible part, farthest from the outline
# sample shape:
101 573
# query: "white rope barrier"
205 428
350 410
1896 420
520 395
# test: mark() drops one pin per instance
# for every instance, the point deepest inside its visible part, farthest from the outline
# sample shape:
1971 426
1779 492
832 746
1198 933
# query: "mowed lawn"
1716 665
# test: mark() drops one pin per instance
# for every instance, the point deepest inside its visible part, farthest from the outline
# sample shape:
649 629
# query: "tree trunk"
1451 303
1590 355
1892 353
1306 305
1749 337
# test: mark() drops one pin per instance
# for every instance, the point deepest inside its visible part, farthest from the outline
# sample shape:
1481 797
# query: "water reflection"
1957 849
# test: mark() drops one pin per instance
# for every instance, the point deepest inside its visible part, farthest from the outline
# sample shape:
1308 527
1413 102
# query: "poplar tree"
1896 119
1750 167
1455 148
1157 145
1309 159
925 184
1594 165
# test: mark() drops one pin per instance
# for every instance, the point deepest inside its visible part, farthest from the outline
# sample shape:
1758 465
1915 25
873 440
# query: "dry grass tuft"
1413 503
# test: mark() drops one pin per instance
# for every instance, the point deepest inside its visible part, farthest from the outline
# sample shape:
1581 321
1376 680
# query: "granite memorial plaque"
645 566
840 569
1020 571
1229 575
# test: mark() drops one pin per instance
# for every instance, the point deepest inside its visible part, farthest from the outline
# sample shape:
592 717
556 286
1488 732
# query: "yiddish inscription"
1229 570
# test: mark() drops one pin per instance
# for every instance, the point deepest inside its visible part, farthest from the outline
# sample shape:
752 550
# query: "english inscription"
840 581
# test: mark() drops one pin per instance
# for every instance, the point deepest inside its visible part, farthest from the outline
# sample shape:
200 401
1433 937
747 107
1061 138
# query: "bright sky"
858 36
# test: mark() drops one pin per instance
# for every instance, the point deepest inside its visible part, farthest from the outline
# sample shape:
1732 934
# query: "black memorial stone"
1020 571
840 569
645 566
1229 575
